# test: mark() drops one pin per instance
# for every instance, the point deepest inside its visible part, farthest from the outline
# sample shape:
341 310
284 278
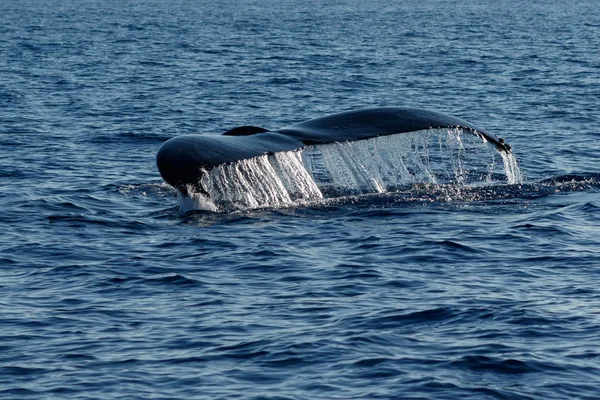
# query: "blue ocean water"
108 291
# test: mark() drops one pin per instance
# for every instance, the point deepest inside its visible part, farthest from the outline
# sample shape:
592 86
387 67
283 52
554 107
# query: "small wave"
18 393
157 189
584 178
83 220
12 173
127 137
244 350
76 219
455 246
393 320
172 279
159 280
496 365
22 371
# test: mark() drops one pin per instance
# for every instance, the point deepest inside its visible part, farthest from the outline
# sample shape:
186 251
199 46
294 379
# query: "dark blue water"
108 291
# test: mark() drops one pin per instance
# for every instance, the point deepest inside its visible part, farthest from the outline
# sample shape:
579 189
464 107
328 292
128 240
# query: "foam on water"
378 165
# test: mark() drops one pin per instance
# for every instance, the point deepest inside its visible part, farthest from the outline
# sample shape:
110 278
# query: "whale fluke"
182 159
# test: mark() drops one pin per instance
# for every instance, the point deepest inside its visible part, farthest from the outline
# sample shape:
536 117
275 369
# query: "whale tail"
182 160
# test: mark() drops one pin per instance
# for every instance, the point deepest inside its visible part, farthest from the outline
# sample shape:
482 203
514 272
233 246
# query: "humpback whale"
181 160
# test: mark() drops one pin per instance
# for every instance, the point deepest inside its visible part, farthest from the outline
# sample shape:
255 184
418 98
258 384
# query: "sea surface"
109 290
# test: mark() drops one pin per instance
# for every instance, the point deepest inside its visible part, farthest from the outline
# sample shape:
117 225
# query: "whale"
182 160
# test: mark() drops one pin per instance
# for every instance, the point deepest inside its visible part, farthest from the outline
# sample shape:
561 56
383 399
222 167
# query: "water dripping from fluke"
372 151
430 159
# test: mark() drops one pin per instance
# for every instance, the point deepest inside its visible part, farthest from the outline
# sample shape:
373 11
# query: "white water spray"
378 165
513 172
274 180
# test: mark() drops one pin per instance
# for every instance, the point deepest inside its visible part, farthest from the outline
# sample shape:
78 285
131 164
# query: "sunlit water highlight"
379 165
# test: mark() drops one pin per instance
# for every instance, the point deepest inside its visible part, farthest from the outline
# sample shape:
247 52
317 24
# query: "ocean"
113 287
